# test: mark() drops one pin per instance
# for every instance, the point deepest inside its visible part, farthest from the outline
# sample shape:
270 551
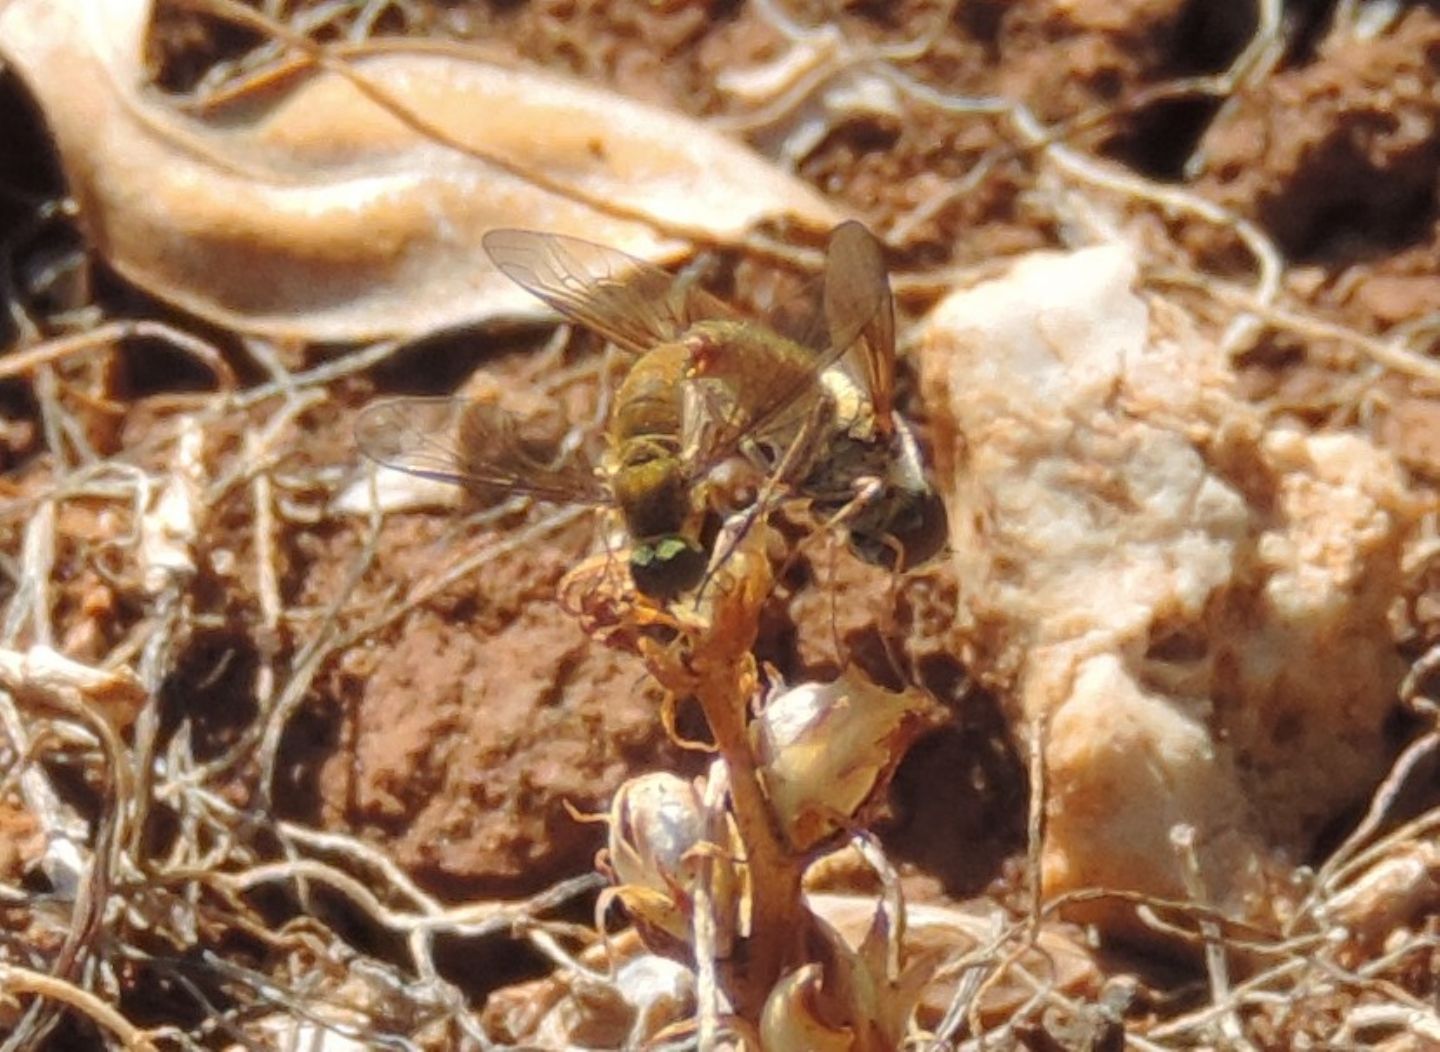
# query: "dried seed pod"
666 838
825 749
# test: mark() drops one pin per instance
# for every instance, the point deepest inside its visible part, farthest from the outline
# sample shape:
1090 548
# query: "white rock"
1188 611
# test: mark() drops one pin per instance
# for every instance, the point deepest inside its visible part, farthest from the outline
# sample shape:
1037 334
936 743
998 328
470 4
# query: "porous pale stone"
1188 611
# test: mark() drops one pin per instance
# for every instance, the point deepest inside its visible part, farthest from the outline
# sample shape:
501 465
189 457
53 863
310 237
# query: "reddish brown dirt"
466 732
453 738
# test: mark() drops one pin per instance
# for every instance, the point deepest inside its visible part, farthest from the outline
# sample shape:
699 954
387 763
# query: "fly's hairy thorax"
755 364
854 412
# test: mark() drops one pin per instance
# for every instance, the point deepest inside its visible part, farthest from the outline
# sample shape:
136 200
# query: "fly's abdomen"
650 402
648 478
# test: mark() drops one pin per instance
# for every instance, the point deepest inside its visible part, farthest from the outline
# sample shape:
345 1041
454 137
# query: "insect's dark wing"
859 332
626 300
860 312
472 444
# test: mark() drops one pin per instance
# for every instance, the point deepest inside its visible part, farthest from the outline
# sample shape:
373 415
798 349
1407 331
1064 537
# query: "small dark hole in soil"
357 927
797 576
1308 21
155 366
30 246
1158 139
944 677
777 641
185 45
1418 794
213 689
1178 645
29 169
73 1034
1273 354
981 19
72 786
1333 833
176 990
690 722
1210 36
850 141
1382 215
436 365
310 738
866 649
479 967
959 801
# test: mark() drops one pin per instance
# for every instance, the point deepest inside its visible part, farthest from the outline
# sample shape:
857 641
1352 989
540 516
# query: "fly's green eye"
665 567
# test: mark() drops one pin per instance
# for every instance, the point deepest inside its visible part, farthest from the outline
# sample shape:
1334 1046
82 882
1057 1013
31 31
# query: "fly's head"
665 567
904 526
652 489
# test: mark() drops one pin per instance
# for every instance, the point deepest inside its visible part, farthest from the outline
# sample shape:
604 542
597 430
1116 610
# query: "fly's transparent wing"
473 444
626 300
860 312
860 326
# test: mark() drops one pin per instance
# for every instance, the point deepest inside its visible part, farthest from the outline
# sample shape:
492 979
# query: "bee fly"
704 384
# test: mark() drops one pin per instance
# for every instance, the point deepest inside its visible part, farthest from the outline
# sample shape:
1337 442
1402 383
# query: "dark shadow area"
959 801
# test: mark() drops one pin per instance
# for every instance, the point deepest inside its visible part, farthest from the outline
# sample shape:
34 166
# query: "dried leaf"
935 935
347 201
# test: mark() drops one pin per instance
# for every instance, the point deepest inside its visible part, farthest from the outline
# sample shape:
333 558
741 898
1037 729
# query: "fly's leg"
869 489
796 463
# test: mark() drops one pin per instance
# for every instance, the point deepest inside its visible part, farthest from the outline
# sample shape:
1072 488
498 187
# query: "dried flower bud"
824 750
654 821
665 836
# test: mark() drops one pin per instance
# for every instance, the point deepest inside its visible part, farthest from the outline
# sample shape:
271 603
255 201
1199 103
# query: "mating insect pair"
704 386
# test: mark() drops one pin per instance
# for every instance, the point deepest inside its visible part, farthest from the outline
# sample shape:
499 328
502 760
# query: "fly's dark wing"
860 311
626 300
860 323
472 444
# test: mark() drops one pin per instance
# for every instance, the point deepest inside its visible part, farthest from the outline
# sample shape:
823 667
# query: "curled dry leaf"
935 936
347 201
792 1022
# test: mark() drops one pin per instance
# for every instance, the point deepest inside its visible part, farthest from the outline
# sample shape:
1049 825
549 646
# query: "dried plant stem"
19 363
24 981
777 919
720 672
